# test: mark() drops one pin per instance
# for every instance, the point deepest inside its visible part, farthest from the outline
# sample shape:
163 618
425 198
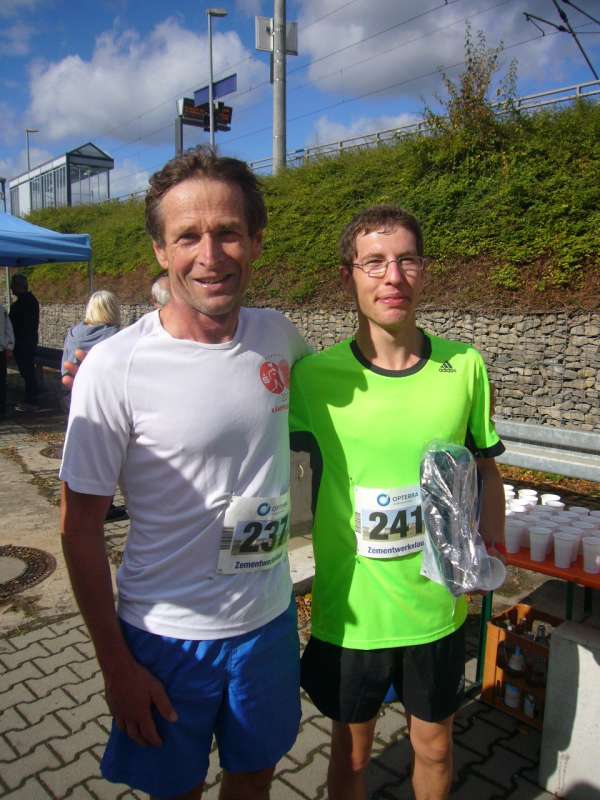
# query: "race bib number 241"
388 522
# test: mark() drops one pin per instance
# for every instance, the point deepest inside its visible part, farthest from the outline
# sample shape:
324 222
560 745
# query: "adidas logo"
446 367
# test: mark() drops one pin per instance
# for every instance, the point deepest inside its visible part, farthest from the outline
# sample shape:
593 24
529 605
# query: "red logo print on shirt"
275 375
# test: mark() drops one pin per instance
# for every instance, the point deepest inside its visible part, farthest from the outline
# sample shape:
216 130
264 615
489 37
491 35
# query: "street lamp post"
27 132
210 13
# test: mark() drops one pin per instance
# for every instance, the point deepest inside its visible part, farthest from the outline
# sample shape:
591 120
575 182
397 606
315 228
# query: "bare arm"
491 517
71 367
131 690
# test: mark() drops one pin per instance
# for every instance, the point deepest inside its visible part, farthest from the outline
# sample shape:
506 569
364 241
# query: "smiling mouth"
213 281
393 299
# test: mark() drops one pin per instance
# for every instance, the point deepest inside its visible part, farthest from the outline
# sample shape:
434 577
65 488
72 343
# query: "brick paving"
54 720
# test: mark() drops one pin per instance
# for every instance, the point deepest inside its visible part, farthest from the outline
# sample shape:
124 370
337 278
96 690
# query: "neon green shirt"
366 429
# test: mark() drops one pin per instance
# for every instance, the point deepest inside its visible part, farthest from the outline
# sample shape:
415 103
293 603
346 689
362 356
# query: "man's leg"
246 785
432 763
350 753
194 794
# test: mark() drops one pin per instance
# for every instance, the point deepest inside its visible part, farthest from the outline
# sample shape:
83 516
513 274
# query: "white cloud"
398 46
250 7
327 131
9 128
9 8
128 87
14 41
11 167
128 178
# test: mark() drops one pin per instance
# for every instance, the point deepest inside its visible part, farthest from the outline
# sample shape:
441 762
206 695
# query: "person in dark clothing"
7 343
25 319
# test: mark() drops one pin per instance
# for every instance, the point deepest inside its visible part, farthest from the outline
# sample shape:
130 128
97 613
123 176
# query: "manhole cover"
22 567
53 451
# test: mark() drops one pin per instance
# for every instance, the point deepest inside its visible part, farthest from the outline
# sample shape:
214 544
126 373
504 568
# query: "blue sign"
220 89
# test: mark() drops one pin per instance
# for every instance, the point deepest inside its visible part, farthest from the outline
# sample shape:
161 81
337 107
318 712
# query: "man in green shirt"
366 409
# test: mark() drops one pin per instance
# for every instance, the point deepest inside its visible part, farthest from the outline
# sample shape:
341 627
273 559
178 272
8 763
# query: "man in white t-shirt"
188 410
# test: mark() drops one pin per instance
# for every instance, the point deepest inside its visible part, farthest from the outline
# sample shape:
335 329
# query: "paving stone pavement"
54 720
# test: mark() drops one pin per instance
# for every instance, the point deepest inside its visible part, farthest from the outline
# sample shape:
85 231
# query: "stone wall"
545 367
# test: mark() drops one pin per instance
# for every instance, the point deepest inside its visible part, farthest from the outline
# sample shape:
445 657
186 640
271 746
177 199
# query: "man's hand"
72 368
131 693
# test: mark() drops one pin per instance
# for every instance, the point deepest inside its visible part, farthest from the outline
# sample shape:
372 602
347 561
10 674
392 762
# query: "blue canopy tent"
23 245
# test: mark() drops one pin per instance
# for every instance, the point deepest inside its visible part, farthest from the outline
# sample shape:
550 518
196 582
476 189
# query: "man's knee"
247 784
351 747
432 742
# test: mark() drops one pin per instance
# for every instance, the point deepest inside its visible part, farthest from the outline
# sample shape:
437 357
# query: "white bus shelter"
79 177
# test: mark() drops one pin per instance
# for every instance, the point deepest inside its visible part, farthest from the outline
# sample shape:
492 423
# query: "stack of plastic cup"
558 504
546 498
540 540
566 546
515 535
591 554
580 510
530 495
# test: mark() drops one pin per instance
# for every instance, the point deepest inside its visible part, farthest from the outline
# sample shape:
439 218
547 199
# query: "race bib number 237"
255 534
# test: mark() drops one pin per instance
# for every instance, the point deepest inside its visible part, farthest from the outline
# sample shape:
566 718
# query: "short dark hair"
203 162
383 217
19 281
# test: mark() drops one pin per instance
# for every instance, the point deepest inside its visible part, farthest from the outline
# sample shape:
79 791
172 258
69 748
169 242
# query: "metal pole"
178 136
27 132
279 111
211 110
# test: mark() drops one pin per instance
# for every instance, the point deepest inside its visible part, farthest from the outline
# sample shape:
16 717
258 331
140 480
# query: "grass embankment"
513 222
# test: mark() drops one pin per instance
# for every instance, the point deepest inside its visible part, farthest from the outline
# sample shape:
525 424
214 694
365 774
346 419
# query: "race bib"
255 534
388 522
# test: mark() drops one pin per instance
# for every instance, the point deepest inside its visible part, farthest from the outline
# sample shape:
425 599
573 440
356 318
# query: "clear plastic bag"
454 553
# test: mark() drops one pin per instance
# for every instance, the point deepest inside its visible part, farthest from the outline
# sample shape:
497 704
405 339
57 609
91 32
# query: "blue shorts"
245 690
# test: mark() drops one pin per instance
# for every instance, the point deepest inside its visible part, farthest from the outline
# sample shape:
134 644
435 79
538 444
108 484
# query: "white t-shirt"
184 427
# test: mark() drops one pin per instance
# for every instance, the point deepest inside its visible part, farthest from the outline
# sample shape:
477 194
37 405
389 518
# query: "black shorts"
350 685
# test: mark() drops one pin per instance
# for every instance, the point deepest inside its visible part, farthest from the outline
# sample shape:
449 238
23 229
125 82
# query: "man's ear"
347 279
257 245
161 254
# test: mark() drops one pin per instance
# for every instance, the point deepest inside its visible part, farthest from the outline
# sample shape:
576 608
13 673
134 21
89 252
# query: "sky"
110 71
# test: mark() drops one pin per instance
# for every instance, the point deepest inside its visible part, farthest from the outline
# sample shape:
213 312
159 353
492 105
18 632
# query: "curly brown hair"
383 217
203 162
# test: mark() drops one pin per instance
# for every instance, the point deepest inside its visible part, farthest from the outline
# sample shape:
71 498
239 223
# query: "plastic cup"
586 525
518 505
591 554
508 487
539 542
528 493
566 546
546 497
580 510
558 504
513 535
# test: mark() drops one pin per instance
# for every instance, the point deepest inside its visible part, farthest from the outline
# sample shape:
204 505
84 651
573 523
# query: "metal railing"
527 103
563 451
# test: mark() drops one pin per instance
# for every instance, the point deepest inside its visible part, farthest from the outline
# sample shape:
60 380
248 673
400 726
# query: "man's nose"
395 273
208 251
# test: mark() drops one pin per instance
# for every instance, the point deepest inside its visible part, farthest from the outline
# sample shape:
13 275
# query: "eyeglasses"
411 266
